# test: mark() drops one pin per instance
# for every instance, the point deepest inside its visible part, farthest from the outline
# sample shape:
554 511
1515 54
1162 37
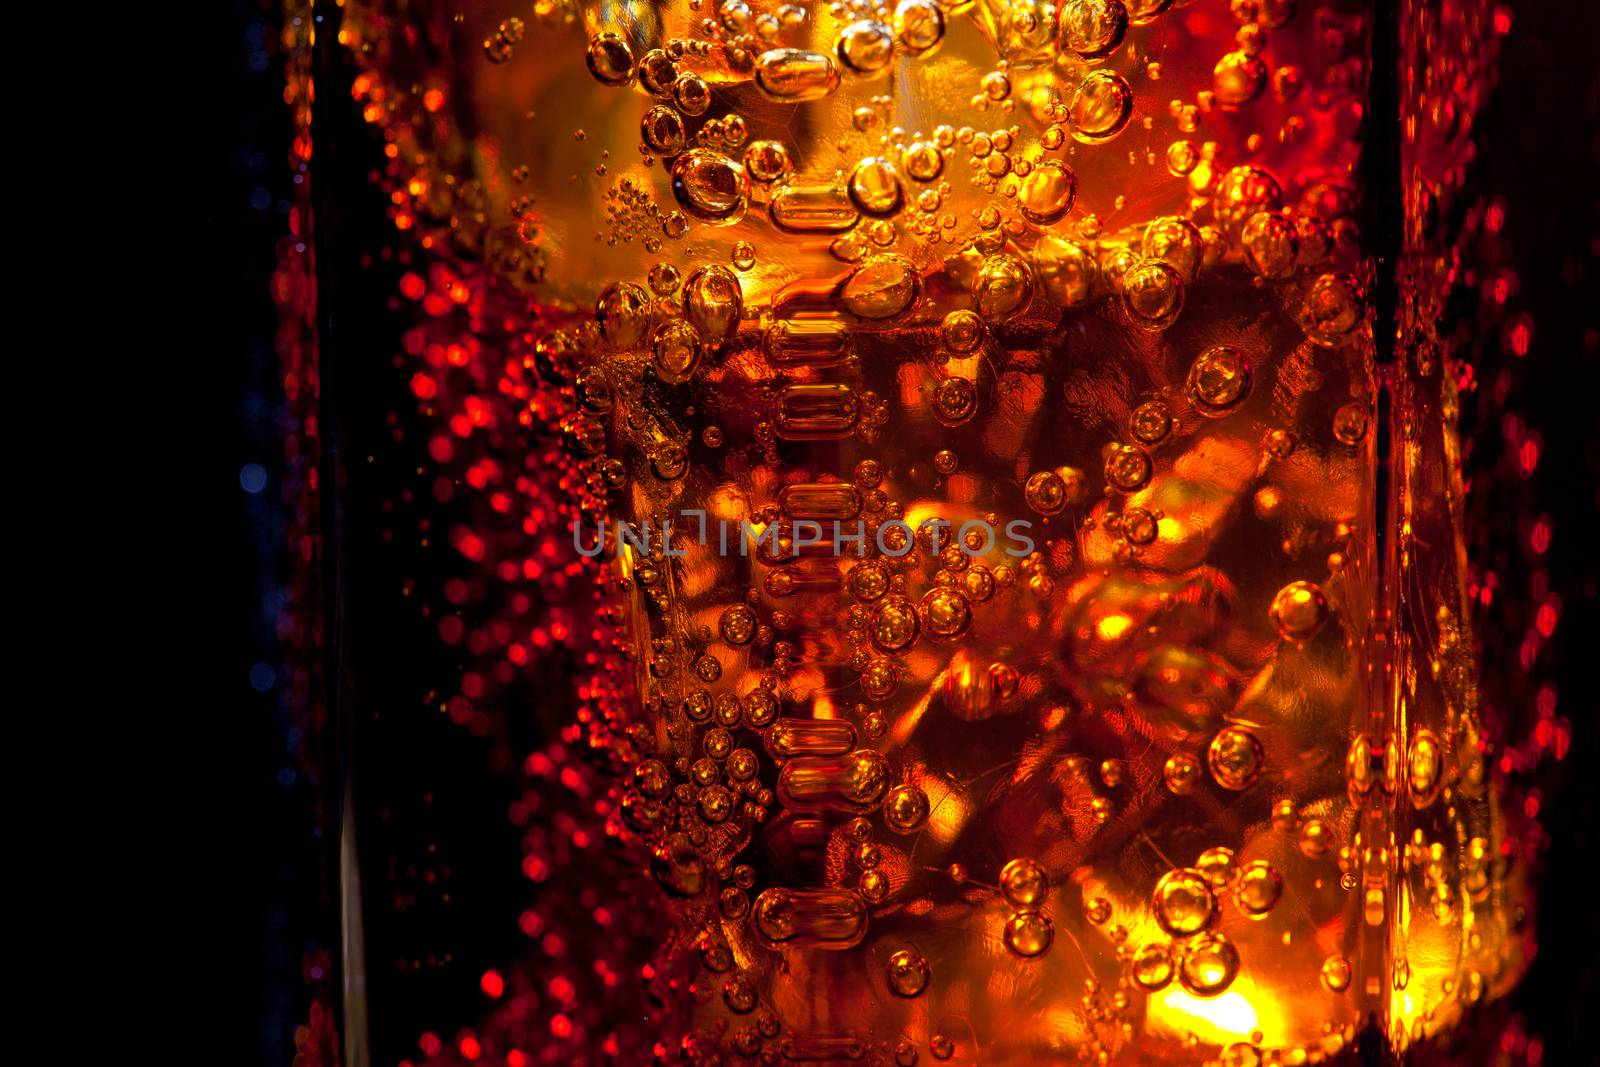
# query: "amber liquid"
1193 774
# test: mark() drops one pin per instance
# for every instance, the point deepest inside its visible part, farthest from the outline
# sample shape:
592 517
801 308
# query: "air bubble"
1127 468
1209 965
866 47
875 187
1092 29
918 26
1002 288
792 75
675 351
710 186
1299 611
1150 422
961 331
623 312
1271 245
1151 967
1235 758
905 809
1046 194
883 286
1183 902
1259 888
1028 934
662 131
713 301
908 973
1024 883
1218 381
1238 79
1152 291
767 161
610 59
1100 107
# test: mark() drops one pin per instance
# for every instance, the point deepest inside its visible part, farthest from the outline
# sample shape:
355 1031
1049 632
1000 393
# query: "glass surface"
1038 631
